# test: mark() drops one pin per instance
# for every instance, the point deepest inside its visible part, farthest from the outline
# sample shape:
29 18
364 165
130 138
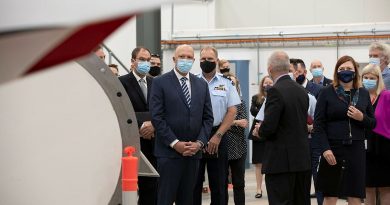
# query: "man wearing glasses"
137 85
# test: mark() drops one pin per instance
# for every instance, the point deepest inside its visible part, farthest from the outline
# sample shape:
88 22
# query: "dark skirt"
257 152
378 162
352 182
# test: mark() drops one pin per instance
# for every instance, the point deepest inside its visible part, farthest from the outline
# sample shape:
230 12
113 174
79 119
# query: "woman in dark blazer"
343 113
258 145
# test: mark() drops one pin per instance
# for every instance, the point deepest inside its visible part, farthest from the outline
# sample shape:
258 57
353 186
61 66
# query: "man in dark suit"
138 86
317 70
300 72
286 161
182 115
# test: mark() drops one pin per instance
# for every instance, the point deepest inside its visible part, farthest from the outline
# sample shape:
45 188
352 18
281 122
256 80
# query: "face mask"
143 67
207 66
291 76
184 65
155 71
374 61
317 72
369 84
224 70
267 87
300 79
346 76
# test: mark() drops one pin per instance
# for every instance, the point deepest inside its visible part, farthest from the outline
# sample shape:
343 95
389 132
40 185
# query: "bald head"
184 51
278 62
316 64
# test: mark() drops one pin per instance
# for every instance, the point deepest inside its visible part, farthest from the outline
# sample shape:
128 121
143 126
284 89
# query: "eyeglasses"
143 59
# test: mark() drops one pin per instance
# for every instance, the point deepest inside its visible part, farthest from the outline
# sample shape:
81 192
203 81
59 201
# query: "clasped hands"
187 148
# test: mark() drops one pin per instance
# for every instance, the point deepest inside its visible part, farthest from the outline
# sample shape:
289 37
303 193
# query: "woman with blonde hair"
378 146
258 143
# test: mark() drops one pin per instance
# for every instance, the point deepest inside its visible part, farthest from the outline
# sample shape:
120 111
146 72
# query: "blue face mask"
374 61
143 67
369 84
184 65
317 72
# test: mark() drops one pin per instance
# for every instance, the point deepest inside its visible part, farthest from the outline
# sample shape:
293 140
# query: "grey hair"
279 61
384 48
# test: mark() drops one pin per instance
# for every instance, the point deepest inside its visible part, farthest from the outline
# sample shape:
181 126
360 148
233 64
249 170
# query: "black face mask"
346 76
224 70
266 88
300 79
207 66
155 71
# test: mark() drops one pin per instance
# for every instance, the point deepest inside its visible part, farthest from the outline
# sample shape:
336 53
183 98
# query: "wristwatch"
219 135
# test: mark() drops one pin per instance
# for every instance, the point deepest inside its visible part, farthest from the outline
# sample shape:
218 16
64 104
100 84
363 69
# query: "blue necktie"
186 92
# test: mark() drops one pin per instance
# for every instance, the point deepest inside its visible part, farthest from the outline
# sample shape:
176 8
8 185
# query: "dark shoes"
259 195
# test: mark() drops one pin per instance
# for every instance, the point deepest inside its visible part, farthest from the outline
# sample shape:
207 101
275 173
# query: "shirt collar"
304 84
276 80
179 76
322 80
217 76
137 77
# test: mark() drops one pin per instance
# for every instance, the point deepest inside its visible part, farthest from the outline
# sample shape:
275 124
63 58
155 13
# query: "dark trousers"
147 190
237 168
291 188
147 186
315 159
217 170
177 180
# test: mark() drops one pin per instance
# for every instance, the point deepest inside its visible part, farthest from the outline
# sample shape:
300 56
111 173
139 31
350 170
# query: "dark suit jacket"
325 83
313 88
285 129
331 121
174 119
140 104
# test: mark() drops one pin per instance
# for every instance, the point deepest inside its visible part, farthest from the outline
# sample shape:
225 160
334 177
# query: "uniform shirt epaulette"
228 77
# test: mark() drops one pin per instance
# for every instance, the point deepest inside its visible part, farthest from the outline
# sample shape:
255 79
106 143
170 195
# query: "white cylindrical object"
129 197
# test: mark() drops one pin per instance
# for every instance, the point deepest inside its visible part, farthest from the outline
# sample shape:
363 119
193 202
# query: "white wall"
191 15
266 13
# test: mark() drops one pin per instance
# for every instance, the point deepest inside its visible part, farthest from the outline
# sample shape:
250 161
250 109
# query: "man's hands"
212 146
147 130
187 148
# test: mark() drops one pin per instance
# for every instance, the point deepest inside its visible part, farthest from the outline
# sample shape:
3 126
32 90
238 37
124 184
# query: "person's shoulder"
327 81
364 91
124 78
196 77
162 78
148 78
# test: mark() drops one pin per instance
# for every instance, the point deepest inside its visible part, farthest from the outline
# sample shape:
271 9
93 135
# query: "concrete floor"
250 191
